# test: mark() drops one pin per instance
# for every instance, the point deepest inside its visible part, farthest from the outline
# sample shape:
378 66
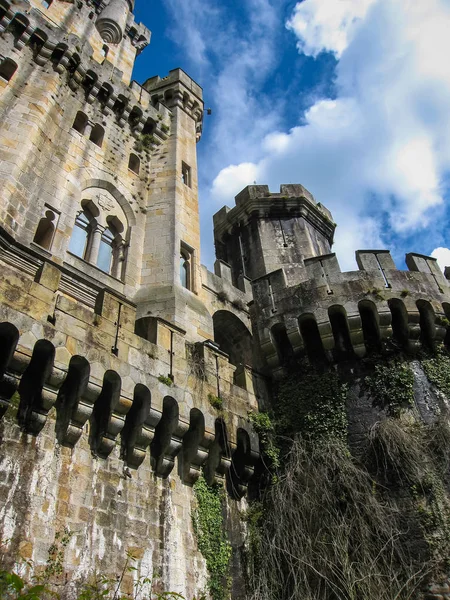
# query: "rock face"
127 368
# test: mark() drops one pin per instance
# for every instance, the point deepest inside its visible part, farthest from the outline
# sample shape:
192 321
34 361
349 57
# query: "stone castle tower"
113 338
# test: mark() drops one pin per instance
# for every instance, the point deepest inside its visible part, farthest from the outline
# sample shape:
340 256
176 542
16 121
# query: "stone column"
95 245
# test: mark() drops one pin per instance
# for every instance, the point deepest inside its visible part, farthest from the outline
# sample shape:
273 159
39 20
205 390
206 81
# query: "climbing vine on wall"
437 369
311 403
212 541
391 384
265 428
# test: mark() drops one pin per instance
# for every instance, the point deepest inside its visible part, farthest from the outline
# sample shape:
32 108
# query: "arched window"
98 240
97 135
45 230
80 235
81 120
7 69
134 164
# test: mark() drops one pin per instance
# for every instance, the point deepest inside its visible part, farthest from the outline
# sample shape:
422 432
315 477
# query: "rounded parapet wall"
334 316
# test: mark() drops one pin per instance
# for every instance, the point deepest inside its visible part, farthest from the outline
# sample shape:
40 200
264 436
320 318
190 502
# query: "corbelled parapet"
49 379
336 316
62 50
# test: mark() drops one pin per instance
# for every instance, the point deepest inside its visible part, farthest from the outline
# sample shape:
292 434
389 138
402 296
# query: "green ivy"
254 517
437 369
263 426
212 541
392 386
215 401
311 403
145 142
166 380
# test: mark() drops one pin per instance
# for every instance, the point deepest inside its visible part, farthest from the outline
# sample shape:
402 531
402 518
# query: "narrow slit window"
186 174
184 271
186 267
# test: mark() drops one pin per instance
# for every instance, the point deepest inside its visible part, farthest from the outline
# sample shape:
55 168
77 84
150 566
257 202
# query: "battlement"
266 231
256 201
330 315
178 89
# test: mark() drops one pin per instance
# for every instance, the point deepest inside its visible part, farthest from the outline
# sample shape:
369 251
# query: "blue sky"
351 98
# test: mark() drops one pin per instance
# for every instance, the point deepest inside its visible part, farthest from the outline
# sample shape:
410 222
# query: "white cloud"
327 24
379 152
442 255
231 180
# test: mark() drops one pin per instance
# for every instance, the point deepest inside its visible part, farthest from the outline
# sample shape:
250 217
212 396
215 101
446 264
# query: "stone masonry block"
222 270
425 264
372 260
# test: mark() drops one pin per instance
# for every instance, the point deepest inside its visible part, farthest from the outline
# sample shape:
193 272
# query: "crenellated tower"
113 337
266 231
127 369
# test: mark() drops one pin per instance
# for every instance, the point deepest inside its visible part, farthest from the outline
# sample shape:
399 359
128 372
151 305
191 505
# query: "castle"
127 368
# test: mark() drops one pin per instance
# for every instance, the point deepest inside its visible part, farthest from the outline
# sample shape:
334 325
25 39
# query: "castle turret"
265 231
112 20
170 282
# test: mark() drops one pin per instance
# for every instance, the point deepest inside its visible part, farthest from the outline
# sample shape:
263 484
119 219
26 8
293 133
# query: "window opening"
104 51
186 174
45 230
184 270
134 164
81 120
105 253
97 135
46 3
80 233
